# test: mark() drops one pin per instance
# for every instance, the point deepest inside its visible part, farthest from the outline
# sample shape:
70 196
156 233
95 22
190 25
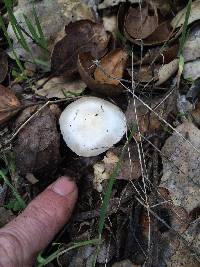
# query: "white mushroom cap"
91 125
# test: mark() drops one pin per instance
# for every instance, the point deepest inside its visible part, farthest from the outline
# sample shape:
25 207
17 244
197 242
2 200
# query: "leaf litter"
126 52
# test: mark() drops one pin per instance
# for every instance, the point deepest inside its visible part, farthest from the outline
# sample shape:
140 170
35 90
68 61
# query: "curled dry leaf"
111 67
3 65
53 15
181 167
166 71
61 87
37 145
81 37
158 32
179 19
9 104
141 22
107 86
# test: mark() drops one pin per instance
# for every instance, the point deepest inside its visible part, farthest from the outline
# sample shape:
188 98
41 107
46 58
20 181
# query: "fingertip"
64 186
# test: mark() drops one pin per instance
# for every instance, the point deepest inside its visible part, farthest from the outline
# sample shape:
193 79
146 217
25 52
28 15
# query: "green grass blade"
39 28
2 25
14 191
111 182
43 262
185 25
31 27
15 26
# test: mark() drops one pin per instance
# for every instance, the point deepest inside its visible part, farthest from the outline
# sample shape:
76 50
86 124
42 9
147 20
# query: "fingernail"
63 186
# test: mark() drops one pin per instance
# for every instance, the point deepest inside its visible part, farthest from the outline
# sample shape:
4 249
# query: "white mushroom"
91 125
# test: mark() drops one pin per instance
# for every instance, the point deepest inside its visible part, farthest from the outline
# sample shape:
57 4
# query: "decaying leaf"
166 71
37 145
53 15
129 170
5 216
3 65
147 120
81 37
86 69
61 87
9 104
179 19
110 3
191 49
110 23
140 23
125 263
111 67
187 256
192 70
160 35
181 167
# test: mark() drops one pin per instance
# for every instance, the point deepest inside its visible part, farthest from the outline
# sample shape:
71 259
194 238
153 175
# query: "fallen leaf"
140 23
191 70
191 49
53 15
181 167
37 145
3 65
111 67
110 23
160 35
184 256
125 263
81 37
9 104
166 71
147 120
128 171
60 87
5 216
179 19
86 69
110 3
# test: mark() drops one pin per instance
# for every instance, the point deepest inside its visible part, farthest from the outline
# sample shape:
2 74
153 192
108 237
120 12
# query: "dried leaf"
111 68
9 104
37 145
82 36
181 167
86 69
104 168
139 24
191 49
147 120
61 87
179 19
3 65
166 71
53 15
192 70
160 35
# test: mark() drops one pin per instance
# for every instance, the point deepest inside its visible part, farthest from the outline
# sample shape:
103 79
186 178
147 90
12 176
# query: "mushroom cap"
91 125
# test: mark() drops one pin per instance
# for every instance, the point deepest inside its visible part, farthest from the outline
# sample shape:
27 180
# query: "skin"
23 238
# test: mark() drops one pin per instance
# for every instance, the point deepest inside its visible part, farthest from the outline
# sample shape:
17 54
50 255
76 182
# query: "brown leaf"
111 67
3 65
37 145
139 24
82 36
86 69
9 104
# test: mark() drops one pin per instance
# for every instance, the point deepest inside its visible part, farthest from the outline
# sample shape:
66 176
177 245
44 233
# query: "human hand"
24 237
